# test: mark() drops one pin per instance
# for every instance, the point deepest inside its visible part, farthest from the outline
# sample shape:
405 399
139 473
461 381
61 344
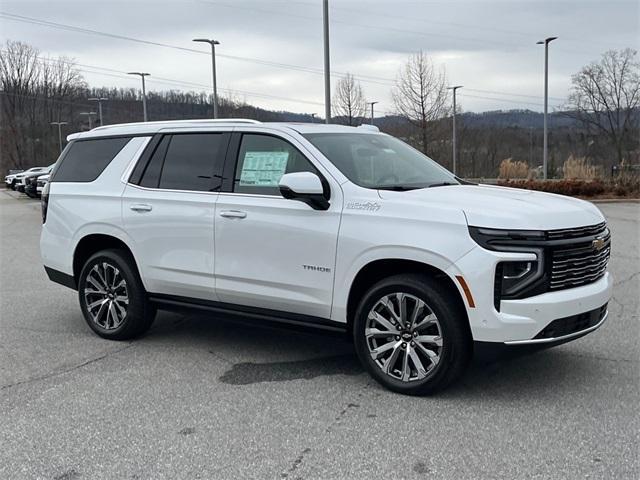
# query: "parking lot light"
59 124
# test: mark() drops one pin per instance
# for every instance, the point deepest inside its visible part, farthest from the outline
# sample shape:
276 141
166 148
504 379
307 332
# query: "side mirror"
305 187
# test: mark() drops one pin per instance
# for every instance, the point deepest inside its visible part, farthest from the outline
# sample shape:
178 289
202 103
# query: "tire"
107 319
443 331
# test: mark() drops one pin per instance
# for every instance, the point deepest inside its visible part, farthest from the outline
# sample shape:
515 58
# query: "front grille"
578 265
575 323
578 232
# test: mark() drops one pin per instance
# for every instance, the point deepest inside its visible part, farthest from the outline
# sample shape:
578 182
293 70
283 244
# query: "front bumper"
519 321
576 326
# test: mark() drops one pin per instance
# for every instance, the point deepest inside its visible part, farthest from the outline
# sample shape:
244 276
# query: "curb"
615 200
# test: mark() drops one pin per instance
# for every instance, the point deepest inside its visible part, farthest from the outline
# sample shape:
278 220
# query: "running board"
254 315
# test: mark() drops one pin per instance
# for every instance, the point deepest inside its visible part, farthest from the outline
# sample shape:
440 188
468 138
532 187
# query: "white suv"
336 227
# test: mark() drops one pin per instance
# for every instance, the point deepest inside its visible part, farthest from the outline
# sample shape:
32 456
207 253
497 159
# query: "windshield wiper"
398 188
441 184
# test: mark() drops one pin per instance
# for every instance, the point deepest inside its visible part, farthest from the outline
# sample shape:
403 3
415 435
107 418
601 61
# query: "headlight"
517 278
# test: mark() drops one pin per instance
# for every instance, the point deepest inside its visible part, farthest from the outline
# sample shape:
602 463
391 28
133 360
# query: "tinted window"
85 160
191 161
151 175
262 160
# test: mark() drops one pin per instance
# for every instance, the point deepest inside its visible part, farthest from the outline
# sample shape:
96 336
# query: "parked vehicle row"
30 182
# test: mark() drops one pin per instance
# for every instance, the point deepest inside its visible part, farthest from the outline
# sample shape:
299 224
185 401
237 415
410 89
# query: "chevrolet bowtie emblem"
598 244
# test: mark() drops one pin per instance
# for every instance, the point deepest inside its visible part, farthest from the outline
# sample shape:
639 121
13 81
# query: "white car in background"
23 181
41 182
12 180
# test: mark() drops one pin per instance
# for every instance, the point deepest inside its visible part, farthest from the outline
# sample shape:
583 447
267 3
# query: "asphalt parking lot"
202 397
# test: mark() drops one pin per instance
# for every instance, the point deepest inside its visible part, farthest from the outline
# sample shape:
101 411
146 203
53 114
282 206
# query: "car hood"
502 207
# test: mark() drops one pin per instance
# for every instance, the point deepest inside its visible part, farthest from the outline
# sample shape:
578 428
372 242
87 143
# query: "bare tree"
34 91
420 94
19 71
605 96
349 102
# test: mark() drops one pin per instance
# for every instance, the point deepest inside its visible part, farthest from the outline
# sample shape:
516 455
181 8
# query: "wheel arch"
376 270
95 242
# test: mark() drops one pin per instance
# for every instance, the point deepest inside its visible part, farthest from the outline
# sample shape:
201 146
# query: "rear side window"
186 161
85 160
191 161
151 175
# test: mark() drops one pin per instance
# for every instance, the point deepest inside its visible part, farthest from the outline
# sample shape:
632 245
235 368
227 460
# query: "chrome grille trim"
572 267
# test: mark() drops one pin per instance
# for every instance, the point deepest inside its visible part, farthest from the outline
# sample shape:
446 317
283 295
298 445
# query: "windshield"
380 161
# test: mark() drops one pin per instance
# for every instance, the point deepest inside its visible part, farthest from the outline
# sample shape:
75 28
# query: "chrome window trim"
170 190
259 195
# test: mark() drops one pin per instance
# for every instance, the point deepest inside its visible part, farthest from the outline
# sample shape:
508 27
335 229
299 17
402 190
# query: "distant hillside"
496 119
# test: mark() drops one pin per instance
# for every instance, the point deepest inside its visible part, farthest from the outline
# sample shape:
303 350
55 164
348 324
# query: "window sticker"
263 169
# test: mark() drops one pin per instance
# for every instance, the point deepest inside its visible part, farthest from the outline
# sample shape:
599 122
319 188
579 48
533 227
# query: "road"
207 398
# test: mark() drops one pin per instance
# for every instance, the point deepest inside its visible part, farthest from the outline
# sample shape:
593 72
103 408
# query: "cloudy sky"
271 51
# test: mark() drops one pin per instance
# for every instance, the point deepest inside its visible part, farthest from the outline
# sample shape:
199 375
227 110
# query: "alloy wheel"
106 296
404 337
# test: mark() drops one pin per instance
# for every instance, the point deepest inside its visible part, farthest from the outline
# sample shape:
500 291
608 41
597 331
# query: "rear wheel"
112 297
411 334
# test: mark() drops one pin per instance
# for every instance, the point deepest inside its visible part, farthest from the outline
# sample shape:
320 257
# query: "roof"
142 128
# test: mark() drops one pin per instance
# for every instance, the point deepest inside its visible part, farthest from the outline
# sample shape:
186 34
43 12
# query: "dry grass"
513 169
578 168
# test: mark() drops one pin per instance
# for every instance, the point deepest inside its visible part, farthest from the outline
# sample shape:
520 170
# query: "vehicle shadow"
265 353
258 353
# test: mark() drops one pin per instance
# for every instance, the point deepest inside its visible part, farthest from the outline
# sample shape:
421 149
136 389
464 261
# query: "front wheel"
112 298
411 334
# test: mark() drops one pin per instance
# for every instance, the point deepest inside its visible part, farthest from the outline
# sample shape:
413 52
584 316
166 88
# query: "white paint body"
192 244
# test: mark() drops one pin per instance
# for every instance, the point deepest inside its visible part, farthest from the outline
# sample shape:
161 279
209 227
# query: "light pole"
454 153
545 153
372 104
530 146
59 124
327 69
213 44
144 92
88 114
99 100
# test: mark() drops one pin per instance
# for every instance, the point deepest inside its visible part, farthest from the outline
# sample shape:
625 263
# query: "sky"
271 52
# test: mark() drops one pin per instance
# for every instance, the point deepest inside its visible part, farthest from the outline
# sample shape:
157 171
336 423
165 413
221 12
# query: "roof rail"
195 120
222 120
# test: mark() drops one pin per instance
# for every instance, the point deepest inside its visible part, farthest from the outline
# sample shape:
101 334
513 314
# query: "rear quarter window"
85 160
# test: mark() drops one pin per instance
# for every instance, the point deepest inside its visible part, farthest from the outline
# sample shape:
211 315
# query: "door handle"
233 214
141 207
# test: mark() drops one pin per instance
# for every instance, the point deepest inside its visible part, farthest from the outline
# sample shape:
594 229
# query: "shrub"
513 169
626 184
581 188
